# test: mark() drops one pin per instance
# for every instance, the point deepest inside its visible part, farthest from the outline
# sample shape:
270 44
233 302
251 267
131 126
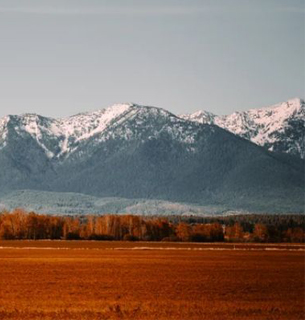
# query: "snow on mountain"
279 127
141 152
85 125
200 116
63 137
3 131
67 133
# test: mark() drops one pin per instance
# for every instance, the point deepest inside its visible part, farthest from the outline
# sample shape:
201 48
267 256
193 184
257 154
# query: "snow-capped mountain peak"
66 131
59 138
200 116
279 127
85 125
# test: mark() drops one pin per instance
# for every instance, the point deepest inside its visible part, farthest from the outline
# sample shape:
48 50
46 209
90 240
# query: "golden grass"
97 280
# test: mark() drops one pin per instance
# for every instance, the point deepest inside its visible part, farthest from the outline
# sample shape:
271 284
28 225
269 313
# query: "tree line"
19 224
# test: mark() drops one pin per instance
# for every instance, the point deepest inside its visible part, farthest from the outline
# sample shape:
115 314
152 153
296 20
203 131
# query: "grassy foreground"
123 280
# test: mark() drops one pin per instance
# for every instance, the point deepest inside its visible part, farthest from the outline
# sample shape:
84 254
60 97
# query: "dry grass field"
123 280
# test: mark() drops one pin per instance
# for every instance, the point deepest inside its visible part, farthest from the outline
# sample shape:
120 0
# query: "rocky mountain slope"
131 151
279 128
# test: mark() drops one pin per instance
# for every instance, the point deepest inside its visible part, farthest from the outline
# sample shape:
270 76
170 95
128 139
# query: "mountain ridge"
138 152
71 130
274 127
279 127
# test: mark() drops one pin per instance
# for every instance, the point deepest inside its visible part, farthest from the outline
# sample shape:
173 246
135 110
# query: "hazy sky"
59 58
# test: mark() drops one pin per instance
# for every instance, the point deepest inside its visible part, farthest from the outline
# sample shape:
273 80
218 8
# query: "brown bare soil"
123 280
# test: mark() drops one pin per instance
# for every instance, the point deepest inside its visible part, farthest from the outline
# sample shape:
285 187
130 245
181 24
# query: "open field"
124 280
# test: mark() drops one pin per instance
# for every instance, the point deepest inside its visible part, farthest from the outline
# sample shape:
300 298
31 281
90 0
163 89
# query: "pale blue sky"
59 58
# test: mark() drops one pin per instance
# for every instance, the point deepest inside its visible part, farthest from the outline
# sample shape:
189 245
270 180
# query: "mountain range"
279 128
128 151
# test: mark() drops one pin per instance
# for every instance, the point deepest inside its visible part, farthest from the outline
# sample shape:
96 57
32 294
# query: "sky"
62 57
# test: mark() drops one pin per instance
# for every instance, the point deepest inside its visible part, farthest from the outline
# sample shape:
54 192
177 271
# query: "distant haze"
58 58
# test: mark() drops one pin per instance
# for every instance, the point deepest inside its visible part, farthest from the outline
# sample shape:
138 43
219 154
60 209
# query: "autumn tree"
294 235
183 231
235 232
260 233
